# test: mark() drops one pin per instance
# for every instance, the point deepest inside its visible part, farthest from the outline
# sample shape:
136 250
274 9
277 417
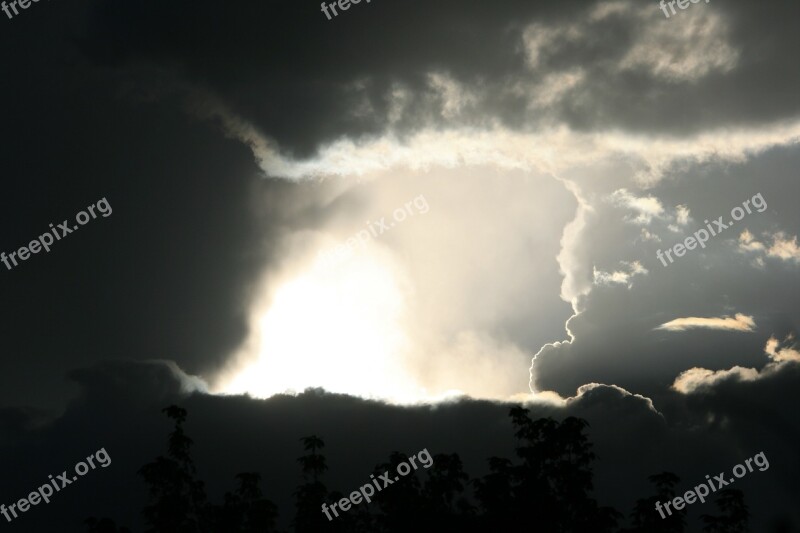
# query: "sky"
418 213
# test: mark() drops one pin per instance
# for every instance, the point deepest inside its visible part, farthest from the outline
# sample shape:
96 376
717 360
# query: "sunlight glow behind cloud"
339 329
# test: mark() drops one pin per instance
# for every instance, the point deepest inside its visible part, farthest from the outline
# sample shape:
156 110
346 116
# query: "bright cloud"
699 378
647 207
777 353
620 277
738 323
782 247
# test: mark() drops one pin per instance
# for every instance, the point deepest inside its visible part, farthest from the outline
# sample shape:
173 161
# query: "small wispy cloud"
782 247
682 215
739 322
747 242
778 353
620 277
646 207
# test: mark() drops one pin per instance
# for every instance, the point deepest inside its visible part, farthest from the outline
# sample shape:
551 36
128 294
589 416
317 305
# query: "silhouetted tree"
310 496
548 487
496 494
734 517
246 510
357 519
553 481
443 494
178 499
647 519
401 502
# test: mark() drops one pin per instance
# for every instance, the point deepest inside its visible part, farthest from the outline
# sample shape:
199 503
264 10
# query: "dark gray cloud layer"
173 259
253 55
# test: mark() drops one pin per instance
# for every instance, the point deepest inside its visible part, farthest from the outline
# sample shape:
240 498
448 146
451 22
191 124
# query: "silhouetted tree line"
547 488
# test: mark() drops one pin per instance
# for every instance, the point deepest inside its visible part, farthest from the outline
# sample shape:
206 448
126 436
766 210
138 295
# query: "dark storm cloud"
760 414
119 405
166 275
594 65
149 279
